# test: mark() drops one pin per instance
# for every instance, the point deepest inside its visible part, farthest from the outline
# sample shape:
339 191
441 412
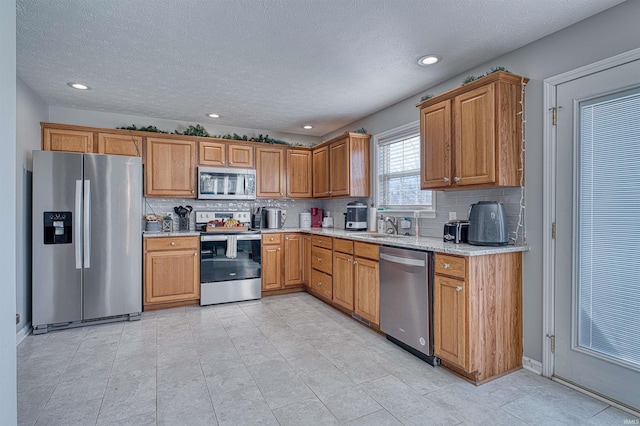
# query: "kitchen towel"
372 219
232 246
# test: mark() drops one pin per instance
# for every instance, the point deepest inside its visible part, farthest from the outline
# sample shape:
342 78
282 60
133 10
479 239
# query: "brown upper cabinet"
116 144
321 171
170 168
341 166
471 136
66 140
271 172
299 175
223 154
69 138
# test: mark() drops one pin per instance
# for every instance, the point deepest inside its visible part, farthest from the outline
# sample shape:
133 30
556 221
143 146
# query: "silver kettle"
274 218
488 224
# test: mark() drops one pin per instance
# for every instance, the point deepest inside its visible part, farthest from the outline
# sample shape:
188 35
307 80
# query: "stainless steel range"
230 259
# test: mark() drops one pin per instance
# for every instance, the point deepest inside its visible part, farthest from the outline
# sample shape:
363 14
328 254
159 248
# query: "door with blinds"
597 261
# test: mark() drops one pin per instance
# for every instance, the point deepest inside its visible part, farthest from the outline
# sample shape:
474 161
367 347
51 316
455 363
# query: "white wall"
81 117
30 111
609 33
8 402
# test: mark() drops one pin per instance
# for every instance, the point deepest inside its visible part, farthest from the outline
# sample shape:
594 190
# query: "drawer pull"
446 266
319 241
458 288
173 243
271 239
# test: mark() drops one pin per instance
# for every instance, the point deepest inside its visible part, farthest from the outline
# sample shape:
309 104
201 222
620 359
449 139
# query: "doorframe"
549 193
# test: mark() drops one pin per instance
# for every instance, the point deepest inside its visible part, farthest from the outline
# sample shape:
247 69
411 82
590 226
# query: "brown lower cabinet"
282 261
478 314
345 273
171 271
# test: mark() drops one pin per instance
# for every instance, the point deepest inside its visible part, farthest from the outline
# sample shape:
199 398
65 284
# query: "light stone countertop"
148 234
420 243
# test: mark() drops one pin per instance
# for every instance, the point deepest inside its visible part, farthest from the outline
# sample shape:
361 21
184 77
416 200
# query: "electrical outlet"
452 215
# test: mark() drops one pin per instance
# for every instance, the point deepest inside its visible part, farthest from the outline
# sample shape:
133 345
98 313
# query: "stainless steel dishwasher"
406 294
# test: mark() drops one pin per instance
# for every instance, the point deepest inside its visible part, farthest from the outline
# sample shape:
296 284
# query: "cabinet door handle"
349 260
446 266
222 162
193 192
458 288
271 239
319 259
288 194
445 179
286 238
278 248
319 283
195 254
327 192
319 241
456 179
230 162
173 243
355 262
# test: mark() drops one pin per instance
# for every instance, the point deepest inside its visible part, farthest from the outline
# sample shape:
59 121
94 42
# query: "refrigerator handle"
87 223
77 219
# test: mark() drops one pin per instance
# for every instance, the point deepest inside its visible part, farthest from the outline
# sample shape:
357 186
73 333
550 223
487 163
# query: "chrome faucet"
394 224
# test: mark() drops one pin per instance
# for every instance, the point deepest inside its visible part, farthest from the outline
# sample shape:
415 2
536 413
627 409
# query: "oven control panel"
204 217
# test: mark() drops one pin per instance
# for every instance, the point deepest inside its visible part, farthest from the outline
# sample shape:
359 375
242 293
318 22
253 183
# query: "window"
398 171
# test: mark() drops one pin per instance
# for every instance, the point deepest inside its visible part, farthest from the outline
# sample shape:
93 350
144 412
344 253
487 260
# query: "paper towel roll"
372 222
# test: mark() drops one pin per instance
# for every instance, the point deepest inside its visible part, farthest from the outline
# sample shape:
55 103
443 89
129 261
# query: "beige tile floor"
284 360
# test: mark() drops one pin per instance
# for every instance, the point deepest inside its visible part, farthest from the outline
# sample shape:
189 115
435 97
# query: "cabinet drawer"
321 260
171 243
271 239
449 265
326 242
343 246
370 251
322 283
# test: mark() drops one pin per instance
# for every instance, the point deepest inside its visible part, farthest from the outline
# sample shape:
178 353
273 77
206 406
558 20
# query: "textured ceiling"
267 64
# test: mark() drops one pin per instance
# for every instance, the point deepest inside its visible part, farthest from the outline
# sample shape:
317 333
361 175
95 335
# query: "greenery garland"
470 78
199 130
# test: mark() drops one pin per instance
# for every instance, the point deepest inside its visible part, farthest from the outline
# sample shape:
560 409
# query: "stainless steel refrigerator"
87 254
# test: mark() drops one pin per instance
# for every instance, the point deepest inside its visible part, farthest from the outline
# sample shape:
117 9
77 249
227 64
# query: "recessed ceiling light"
79 86
307 127
428 60
212 115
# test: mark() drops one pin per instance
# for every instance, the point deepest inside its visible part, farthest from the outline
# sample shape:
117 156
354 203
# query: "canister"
305 220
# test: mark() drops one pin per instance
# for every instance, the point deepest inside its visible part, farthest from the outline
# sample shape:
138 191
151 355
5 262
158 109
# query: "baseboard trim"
24 332
532 365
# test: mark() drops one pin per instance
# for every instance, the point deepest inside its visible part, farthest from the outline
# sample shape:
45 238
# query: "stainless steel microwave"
226 183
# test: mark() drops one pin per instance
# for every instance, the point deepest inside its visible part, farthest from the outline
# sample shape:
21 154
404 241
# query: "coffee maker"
316 217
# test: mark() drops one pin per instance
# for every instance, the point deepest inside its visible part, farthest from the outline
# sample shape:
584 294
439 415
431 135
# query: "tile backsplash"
453 201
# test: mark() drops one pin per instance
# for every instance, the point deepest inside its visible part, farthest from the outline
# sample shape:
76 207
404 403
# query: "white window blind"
399 172
609 227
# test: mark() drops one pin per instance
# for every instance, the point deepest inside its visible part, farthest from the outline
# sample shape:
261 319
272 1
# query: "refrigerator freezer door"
57 276
113 244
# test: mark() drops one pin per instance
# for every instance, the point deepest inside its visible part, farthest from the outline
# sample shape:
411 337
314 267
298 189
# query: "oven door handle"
205 238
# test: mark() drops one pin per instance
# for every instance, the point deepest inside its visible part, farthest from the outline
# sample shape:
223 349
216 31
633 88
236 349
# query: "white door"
597 261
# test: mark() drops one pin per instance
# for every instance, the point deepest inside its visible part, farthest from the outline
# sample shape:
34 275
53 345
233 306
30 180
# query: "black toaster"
456 231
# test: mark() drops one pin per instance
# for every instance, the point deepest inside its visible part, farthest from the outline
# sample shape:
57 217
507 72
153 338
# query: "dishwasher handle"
402 260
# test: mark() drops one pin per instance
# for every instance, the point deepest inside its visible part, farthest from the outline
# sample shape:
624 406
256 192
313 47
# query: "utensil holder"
183 224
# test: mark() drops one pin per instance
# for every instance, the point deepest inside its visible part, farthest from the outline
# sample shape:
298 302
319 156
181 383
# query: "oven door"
224 278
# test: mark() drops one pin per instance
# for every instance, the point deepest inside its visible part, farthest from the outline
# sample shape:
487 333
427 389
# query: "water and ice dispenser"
57 227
